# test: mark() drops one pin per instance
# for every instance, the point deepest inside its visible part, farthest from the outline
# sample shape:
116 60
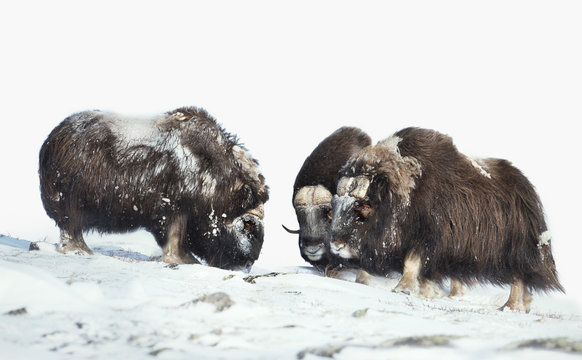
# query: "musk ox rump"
178 175
414 203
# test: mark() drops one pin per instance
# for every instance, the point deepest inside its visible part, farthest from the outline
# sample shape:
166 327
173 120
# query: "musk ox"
414 203
178 175
313 190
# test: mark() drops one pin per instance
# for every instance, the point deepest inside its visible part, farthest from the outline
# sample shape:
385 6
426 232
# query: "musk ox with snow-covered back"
313 190
178 175
413 203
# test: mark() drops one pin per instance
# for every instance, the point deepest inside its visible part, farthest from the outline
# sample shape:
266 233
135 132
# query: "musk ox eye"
330 214
249 226
363 211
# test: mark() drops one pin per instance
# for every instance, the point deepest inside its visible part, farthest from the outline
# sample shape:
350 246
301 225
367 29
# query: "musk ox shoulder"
178 175
414 203
313 190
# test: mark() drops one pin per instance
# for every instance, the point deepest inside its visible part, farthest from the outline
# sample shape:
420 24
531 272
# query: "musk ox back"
178 175
313 188
413 203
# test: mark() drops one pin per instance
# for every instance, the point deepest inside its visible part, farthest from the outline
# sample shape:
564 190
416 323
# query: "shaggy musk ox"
312 192
178 175
413 203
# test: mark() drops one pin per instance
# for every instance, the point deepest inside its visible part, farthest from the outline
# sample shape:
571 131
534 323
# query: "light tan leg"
430 289
363 277
73 243
333 272
410 284
173 250
527 299
519 297
456 288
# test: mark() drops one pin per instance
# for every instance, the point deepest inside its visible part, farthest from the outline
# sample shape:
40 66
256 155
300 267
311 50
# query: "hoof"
179 259
515 308
401 291
68 249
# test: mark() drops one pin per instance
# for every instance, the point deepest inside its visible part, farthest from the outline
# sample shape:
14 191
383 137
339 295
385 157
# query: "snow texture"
545 239
480 166
120 304
135 130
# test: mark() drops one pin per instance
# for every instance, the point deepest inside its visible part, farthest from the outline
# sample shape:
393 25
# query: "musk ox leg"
363 277
333 272
173 251
410 284
430 289
456 288
72 241
519 297
527 299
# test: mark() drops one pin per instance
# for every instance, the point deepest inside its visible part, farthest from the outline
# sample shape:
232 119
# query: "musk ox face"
245 232
351 211
373 194
312 207
178 175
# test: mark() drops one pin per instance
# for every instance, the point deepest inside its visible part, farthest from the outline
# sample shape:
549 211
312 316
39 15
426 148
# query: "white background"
503 78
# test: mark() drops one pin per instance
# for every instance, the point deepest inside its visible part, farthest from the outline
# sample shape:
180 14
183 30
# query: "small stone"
360 313
219 299
17 312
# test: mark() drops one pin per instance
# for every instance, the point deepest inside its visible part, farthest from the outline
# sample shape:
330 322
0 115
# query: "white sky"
503 78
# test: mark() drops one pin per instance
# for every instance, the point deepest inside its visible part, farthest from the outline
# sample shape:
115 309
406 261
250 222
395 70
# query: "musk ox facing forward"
413 203
178 175
313 190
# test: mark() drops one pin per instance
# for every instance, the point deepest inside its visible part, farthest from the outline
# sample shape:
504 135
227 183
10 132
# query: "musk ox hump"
391 143
142 129
312 196
249 166
481 166
322 165
400 171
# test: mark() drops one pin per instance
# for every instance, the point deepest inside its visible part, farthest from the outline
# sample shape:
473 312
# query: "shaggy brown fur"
463 219
322 165
178 175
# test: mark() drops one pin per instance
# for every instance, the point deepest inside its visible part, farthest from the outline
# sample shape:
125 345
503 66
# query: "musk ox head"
373 192
226 227
228 243
314 188
313 209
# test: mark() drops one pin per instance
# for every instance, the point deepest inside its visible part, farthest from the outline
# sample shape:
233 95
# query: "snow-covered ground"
120 304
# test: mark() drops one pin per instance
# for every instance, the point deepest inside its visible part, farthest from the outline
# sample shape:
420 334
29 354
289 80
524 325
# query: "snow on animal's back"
135 129
138 134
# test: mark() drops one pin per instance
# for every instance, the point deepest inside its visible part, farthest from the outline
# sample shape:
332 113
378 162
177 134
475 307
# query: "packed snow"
122 303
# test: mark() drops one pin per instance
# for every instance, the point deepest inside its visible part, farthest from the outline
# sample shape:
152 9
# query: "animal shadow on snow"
111 251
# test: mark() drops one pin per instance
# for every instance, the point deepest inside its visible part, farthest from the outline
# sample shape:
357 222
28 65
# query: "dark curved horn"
290 231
